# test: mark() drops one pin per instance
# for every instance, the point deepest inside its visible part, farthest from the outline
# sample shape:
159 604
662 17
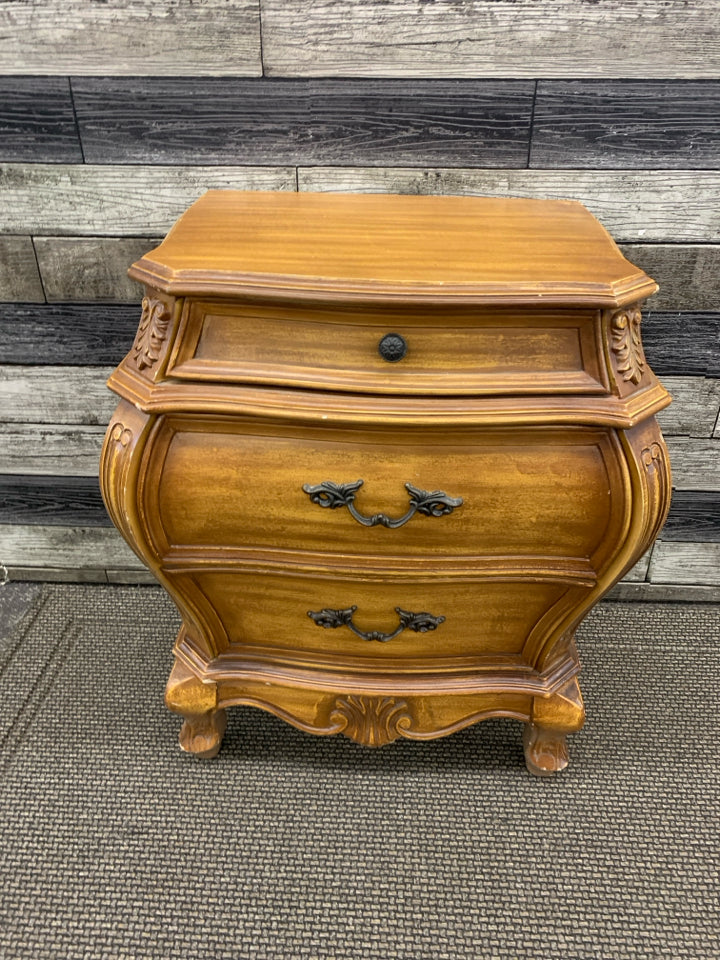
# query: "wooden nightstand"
385 453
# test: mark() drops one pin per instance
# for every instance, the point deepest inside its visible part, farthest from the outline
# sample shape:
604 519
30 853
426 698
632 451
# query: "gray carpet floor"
113 843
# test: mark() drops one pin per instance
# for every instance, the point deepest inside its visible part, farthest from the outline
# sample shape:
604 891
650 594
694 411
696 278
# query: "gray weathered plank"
692 563
90 268
638 573
663 593
50 449
225 120
694 515
164 37
682 344
95 268
56 395
37 122
695 406
77 548
688 274
695 463
56 501
525 38
626 124
73 334
72 199
47 574
647 205
19 275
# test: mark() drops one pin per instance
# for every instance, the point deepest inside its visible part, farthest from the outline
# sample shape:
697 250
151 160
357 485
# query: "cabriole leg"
195 701
552 719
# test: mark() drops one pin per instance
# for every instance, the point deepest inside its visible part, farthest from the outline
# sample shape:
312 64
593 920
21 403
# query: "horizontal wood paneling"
125 38
36 120
501 38
56 395
692 563
49 449
695 406
648 205
694 515
55 501
682 344
19 274
90 268
78 548
626 124
688 274
660 593
60 199
212 120
695 463
74 334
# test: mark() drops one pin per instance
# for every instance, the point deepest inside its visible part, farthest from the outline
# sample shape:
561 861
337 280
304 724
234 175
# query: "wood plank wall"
115 116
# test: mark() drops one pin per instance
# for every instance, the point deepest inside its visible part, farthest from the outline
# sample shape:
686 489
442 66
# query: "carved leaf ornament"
373 721
151 333
627 344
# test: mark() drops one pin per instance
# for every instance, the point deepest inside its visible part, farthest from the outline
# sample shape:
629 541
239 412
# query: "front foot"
197 703
552 719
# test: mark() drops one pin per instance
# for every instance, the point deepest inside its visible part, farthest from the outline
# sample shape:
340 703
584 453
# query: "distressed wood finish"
683 344
254 392
37 122
60 501
456 123
525 38
19 274
85 37
686 563
88 268
626 124
50 448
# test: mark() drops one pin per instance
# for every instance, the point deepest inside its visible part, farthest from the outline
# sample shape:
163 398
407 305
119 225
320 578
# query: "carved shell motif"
372 721
151 333
626 344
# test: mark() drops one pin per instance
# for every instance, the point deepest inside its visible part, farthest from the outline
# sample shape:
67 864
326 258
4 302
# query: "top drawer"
429 351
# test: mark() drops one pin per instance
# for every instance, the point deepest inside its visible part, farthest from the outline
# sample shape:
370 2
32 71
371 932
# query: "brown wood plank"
647 205
525 38
37 122
165 37
627 124
84 200
19 274
227 120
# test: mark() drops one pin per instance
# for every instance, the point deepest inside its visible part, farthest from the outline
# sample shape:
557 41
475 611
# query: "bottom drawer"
270 611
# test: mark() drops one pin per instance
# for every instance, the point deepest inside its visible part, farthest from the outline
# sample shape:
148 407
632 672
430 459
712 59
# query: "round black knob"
392 347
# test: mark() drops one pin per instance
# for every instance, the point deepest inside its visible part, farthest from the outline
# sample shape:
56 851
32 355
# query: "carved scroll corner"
626 344
371 721
152 330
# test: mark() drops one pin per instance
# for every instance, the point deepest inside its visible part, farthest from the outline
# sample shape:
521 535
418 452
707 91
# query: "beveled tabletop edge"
631 289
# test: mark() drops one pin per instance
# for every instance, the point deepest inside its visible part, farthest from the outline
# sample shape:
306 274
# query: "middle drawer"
540 491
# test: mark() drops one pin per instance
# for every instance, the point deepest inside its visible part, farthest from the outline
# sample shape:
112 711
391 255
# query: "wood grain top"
384 247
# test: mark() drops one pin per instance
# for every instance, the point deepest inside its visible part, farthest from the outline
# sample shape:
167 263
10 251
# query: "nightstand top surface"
340 247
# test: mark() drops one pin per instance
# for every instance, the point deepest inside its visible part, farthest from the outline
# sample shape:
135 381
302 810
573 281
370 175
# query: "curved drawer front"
217 485
270 611
436 352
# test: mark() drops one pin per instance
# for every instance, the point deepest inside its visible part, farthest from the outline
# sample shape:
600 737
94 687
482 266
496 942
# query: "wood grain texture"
50 449
682 344
89 268
167 37
525 38
60 199
648 205
55 395
72 334
75 548
626 124
694 410
55 501
692 563
695 463
19 274
688 274
694 516
213 120
664 593
37 122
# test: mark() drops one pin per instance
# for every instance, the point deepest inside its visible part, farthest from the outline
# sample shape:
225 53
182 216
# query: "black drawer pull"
419 622
435 503
392 347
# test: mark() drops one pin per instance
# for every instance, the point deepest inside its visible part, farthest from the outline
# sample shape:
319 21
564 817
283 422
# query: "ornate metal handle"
435 503
419 622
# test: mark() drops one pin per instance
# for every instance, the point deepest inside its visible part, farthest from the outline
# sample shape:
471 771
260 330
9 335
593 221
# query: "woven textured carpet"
113 843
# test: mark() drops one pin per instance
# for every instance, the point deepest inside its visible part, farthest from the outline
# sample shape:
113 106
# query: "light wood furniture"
385 453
